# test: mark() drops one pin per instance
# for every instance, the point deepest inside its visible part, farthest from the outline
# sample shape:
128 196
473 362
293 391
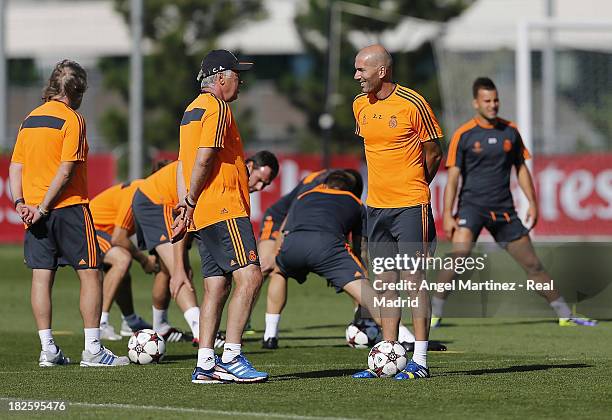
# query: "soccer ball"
387 358
363 334
146 346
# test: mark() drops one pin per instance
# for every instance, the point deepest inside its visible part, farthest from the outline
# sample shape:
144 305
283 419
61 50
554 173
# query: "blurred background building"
551 60
281 101
285 96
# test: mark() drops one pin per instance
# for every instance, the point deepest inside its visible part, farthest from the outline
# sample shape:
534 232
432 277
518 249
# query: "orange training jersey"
113 207
160 187
51 134
393 130
208 122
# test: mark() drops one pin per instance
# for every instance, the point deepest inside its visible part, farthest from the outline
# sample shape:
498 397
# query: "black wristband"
18 201
192 205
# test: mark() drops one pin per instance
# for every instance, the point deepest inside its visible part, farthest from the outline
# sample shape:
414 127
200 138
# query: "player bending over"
114 224
153 205
315 239
268 249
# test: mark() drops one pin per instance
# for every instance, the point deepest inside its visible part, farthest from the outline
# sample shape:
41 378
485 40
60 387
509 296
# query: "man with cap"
217 207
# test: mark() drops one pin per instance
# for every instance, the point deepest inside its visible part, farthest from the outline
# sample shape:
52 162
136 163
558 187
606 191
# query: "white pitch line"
190 410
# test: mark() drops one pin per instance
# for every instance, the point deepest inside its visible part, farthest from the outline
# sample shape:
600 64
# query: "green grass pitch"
495 368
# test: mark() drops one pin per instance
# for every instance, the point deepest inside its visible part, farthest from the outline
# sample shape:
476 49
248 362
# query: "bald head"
373 70
376 55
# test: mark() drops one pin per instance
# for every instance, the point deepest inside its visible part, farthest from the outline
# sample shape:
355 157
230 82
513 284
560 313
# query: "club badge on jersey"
393 121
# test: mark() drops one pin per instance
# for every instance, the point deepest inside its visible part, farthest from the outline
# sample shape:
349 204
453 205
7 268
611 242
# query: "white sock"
92 340
47 343
561 308
272 321
160 317
420 352
437 306
404 335
104 318
230 350
206 358
131 319
192 316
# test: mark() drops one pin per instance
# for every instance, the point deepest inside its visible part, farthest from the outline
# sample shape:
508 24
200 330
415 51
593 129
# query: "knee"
533 267
120 258
126 258
250 279
217 291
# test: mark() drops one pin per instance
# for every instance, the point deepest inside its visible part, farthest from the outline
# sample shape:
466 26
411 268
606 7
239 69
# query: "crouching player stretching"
315 239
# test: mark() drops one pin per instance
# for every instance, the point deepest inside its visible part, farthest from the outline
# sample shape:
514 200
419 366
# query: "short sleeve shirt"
51 134
323 209
208 122
160 187
394 130
486 154
113 207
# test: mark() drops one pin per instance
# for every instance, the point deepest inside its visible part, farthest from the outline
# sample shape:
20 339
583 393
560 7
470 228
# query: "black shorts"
227 246
104 240
321 253
65 237
270 227
153 221
406 231
504 225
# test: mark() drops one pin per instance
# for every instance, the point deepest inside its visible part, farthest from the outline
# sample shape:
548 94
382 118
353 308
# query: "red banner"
574 196
574 192
292 169
101 170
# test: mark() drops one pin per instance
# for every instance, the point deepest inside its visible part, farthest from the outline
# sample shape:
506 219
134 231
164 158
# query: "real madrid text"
460 285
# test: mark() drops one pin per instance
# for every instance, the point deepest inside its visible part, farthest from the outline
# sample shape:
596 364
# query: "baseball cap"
217 61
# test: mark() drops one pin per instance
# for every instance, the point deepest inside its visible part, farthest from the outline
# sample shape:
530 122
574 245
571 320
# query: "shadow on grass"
178 357
317 346
529 322
316 374
312 337
514 369
315 337
334 373
317 327
521 322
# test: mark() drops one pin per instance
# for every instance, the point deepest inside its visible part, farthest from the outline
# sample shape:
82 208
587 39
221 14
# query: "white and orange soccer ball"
146 346
387 358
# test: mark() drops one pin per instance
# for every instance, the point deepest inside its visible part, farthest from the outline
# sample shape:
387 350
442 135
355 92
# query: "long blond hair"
67 79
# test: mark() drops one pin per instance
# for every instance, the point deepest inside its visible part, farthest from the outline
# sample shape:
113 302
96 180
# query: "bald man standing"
402 145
